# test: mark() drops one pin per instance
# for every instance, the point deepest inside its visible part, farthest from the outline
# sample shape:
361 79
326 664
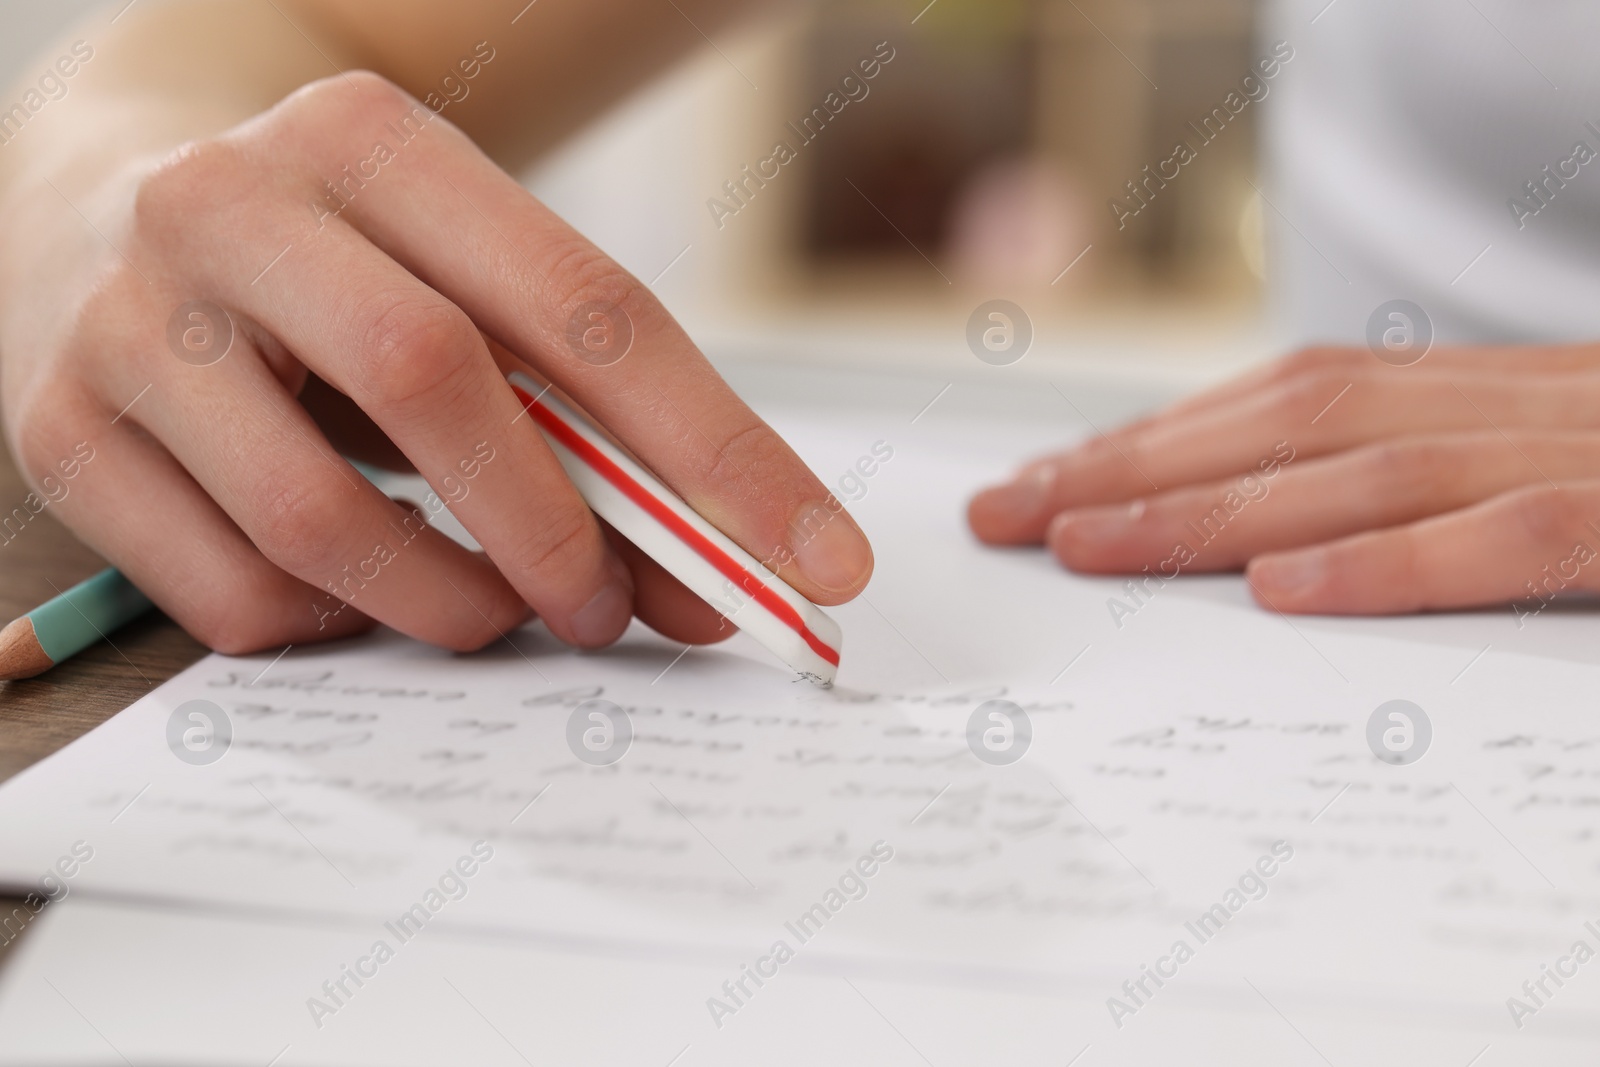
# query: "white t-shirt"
1397 136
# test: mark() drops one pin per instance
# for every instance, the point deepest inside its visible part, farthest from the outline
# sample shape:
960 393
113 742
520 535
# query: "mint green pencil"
68 624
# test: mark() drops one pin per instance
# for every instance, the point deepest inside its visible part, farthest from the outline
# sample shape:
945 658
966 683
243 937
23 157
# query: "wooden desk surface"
39 715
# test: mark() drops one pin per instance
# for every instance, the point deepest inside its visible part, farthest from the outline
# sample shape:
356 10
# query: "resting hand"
1340 484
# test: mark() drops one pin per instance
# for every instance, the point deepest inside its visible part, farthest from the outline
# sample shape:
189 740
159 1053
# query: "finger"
665 604
471 232
310 512
419 368
1310 417
1224 524
1335 407
1274 372
1506 548
1497 359
136 506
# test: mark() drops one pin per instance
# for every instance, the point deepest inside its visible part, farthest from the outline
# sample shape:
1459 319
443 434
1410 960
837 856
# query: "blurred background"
978 165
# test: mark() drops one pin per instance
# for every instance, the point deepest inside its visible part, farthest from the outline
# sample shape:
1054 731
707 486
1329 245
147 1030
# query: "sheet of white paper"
99 981
1172 747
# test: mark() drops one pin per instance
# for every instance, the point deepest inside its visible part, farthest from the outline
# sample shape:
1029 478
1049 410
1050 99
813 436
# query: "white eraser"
688 547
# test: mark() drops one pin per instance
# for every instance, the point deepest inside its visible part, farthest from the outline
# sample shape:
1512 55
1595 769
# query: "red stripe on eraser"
648 498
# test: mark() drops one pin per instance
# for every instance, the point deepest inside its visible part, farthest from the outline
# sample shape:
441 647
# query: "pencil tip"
20 653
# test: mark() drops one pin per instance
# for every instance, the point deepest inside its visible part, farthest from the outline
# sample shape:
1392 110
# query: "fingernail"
828 548
1291 573
603 619
1024 496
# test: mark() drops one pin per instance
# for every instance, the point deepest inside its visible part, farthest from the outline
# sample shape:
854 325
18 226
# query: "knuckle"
299 523
54 429
344 97
189 176
581 274
1411 468
562 546
367 83
748 456
413 351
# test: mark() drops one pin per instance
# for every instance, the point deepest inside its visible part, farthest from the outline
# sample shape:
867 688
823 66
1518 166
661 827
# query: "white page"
1188 740
97 982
